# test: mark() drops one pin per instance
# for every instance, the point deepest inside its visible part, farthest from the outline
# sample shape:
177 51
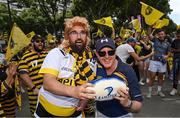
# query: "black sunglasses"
38 41
103 53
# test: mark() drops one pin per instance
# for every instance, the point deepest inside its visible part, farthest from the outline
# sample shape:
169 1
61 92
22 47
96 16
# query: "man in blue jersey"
158 63
110 66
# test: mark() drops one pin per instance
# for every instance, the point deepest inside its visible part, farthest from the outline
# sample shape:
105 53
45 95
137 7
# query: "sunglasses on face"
38 41
103 53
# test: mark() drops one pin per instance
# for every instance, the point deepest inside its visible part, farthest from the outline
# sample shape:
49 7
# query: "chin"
107 65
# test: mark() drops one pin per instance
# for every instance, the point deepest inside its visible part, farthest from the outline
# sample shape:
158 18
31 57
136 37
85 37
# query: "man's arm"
124 99
137 58
51 84
28 82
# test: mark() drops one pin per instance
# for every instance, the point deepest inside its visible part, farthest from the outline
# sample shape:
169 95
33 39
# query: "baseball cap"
105 42
133 40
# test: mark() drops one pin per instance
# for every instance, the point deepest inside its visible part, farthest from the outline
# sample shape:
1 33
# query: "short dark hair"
36 37
160 30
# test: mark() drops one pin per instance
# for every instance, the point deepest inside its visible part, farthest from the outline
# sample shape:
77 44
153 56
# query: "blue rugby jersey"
112 108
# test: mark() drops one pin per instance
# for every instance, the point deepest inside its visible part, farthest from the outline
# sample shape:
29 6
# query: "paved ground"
154 107
160 107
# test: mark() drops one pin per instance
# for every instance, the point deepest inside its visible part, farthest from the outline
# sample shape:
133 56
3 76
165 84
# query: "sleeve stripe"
49 71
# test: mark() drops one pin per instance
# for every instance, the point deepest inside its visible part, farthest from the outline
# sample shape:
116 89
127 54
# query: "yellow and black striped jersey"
1 112
31 63
7 100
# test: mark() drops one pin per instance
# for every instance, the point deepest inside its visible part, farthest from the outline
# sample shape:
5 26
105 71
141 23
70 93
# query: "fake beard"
77 47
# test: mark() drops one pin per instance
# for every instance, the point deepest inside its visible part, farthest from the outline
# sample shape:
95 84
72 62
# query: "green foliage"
44 16
121 9
4 18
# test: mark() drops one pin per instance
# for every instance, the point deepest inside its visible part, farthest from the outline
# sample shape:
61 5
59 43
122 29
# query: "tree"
121 9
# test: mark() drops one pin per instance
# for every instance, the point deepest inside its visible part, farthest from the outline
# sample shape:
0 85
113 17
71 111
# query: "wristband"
129 105
33 88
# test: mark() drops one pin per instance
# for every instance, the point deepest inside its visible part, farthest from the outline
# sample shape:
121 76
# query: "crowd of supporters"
152 56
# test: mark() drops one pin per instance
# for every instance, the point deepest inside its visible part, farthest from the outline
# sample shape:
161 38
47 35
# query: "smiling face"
161 35
107 57
78 38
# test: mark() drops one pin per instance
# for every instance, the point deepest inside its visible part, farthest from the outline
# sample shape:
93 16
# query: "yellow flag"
136 25
125 33
128 33
30 35
178 27
166 21
49 37
99 33
161 23
150 14
17 41
105 21
143 33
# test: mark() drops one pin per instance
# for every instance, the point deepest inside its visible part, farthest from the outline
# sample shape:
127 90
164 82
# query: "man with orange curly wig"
66 71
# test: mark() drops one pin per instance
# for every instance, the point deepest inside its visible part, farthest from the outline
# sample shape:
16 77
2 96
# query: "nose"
106 56
79 35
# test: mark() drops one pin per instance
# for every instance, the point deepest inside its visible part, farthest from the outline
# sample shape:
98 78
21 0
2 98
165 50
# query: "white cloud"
175 14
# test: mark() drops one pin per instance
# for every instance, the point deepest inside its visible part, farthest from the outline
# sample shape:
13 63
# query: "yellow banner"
150 14
161 23
136 25
125 33
105 21
49 37
30 35
17 41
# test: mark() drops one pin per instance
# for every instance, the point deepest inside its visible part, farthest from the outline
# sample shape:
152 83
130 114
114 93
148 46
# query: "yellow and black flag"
99 33
150 14
161 23
105 21
30 35
17 41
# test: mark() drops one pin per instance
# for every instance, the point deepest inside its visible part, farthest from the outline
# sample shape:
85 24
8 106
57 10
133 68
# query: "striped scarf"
83 72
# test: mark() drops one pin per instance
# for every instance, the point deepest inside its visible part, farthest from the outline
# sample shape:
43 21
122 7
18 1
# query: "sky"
175 14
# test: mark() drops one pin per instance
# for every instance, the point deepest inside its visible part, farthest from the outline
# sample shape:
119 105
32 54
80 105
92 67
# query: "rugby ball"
106 88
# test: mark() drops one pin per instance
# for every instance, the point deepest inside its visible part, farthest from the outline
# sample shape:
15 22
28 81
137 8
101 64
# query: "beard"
78 46
37 49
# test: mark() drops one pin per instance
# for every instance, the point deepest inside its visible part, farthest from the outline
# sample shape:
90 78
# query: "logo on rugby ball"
106 88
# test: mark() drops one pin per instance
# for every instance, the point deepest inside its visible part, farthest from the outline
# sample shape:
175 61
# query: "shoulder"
28 54
125 69
57 51
122 66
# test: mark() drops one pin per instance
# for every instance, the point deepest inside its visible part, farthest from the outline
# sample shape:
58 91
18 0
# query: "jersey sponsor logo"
66 69
67 81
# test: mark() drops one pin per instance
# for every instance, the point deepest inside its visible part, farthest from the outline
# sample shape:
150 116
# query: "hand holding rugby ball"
106 88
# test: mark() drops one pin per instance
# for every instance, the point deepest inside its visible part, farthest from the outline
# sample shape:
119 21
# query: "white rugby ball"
106 88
